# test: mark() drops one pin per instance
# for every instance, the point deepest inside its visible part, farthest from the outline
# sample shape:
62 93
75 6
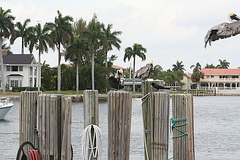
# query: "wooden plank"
119 124
179 112
190 128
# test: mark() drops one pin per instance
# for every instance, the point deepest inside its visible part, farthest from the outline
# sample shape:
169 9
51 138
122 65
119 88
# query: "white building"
20 70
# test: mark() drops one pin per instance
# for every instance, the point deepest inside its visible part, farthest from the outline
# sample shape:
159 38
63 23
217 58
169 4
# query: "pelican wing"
221 31
142 71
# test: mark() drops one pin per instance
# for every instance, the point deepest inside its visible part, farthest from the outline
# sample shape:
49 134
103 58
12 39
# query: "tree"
76 53
178 66
136 50
197 74
24 32
223 64
6 30
210 66
157 70
61 34
40 39
94 37
111 40
196 67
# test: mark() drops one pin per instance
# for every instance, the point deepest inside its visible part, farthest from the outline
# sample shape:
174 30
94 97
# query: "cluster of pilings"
47 123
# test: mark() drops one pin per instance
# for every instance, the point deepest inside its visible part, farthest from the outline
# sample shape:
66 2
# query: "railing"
220 88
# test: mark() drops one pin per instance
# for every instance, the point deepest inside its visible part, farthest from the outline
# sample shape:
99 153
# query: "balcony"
221 80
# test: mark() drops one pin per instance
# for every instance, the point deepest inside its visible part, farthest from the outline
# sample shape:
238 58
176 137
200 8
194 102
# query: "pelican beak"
233 16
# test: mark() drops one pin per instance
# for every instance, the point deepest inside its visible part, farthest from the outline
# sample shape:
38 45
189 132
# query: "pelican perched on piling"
115 80
223 30
145 71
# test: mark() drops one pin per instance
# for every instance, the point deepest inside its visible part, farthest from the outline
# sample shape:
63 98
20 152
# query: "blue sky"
169 30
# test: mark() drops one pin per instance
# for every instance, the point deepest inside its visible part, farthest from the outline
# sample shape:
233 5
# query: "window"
234 76
14 83
14 68
212 76
0 83
20 68
31 70
8 68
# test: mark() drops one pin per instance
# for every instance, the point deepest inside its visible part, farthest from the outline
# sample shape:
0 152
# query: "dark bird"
145 71
159 87
115 80
223 30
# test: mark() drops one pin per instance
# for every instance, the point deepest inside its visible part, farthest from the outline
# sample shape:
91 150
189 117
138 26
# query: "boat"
5 106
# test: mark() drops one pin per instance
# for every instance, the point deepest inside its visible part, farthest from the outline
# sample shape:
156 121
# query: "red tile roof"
215 71
118 67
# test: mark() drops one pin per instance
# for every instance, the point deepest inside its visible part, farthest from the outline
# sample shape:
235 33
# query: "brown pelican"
115 80
145 71
223 30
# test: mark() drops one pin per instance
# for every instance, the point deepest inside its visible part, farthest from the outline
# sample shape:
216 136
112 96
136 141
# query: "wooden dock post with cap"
119 124
155 108
183 127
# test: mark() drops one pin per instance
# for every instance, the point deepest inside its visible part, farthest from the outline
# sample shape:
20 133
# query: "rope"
91 143
174 121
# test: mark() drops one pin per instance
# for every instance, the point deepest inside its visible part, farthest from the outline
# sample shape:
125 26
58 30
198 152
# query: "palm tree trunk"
39 70
22 47
59 69
77 79
2 70
106 65
93 55
133 74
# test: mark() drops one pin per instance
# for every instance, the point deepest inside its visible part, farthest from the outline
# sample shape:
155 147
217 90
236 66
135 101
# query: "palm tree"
210 66
223 64
111 41
6 30
178 66
61 34
40 39
156 73
136 50
24 32
76 53
94 37
196 67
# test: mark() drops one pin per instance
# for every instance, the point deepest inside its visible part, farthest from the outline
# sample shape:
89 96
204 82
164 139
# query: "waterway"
217 129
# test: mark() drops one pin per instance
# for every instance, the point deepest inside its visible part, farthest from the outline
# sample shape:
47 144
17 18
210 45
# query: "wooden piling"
159 125
119 124
54 127
146 110
90 107
190 128
28 117
183 144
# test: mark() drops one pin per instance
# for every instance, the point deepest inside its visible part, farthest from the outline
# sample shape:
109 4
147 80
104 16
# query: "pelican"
145 71
115 80
223 30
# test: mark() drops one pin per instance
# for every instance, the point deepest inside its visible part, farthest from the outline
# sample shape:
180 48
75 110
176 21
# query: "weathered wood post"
119 124
160 125
28 117
54 127
183 127
90 107
190 127
155 108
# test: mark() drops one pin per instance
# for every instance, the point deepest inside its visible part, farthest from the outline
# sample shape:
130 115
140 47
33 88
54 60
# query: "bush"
19 89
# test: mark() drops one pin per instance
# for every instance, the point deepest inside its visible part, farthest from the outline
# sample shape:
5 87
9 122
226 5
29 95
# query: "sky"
170 30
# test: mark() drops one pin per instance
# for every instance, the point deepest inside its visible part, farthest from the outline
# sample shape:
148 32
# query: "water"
216 129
